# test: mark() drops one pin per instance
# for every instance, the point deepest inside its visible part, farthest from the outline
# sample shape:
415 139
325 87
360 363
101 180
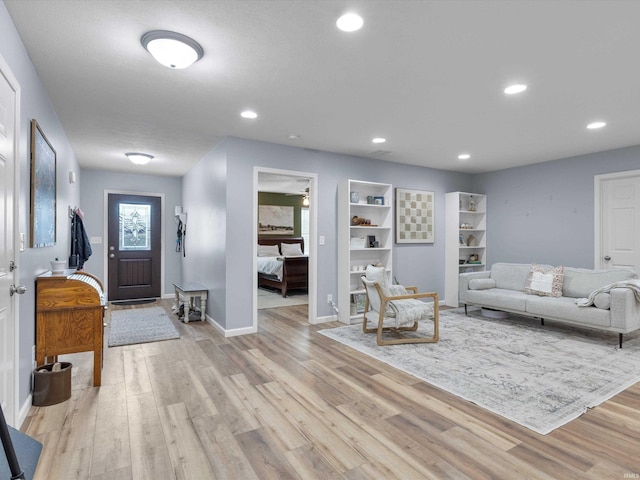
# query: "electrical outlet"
329 299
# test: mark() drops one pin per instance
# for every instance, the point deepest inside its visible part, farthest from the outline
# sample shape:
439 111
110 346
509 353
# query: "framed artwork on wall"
43 190
414 216
275 220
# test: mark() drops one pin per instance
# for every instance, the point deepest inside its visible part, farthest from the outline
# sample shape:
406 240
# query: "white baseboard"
24 411
230 333
327 319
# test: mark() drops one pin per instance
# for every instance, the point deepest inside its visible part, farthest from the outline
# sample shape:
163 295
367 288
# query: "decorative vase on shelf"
355 197
472 204
57 266
471 241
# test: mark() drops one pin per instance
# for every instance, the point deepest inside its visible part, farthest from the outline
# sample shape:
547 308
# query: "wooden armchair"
392 309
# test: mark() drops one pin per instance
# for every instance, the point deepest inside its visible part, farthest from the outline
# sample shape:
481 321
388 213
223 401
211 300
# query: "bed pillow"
268 251
291 249
544 282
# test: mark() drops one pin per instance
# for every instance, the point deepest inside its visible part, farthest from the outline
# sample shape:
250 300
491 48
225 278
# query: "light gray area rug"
269 299
541 377
140 325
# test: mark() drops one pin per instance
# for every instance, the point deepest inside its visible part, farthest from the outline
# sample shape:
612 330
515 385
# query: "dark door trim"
106 232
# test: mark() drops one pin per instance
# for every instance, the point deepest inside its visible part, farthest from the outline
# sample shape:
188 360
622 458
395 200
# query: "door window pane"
134 227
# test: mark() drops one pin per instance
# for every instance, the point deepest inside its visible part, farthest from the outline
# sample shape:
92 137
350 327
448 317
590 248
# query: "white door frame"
13 414
105 229
313 239
597 200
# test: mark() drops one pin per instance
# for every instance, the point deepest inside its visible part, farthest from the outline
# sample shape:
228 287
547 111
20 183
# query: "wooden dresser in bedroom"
70 317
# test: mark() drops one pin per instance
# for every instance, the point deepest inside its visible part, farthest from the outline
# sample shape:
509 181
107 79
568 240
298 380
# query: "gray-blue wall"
222 182
204 194
545 212
96 182
35 104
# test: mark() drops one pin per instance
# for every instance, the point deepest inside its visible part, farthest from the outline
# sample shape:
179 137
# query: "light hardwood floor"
289 403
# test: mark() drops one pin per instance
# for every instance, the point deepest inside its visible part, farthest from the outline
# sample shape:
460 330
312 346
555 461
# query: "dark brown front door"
134 246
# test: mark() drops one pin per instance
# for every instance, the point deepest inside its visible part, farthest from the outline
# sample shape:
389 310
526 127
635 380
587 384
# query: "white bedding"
271 266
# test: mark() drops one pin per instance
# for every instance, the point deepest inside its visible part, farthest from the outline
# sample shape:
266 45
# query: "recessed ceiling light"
350 22
293 136
379 140
249 114
513 89
595 125
464 156
172 49
139 158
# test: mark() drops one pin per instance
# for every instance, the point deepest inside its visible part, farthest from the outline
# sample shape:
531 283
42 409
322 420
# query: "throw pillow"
268 251
290 249
544 282
378 274
602 300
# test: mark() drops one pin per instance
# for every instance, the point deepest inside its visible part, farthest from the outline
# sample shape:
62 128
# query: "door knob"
20 289
112 255
607 258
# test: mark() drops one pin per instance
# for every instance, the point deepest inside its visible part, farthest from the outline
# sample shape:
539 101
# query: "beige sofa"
502 288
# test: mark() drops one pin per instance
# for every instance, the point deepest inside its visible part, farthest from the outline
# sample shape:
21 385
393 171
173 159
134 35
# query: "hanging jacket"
80 245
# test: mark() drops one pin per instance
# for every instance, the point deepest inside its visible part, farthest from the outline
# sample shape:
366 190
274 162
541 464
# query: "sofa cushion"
545 282
481 283
580 282
511 276
566 310
498 298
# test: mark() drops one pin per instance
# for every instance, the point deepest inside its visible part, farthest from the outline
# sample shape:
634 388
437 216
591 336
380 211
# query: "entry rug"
140 325
541 377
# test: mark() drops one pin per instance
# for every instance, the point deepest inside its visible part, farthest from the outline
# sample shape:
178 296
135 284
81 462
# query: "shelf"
369 205
456 237
381 226
365 227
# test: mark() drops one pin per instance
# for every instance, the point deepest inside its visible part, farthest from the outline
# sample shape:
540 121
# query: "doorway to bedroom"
284 222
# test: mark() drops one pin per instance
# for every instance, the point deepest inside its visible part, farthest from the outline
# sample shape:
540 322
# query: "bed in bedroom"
281 263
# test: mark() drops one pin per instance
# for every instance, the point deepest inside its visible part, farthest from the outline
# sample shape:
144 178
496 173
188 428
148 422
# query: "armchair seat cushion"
409 310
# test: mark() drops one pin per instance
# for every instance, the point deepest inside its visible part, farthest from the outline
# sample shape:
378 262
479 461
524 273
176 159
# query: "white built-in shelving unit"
373 202
466 218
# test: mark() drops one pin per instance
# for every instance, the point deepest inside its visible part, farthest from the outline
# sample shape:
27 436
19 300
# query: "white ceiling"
427 75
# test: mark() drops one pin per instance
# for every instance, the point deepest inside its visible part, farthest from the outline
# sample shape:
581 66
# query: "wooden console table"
70 317
189 291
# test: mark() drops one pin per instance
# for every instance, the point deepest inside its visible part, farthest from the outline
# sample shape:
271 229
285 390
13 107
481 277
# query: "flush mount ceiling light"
379 140
249 114
350 22
139 158
513 89
596 125
172 49
464 156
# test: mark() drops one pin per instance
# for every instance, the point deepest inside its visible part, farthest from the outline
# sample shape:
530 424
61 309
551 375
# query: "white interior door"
620 222
9 101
